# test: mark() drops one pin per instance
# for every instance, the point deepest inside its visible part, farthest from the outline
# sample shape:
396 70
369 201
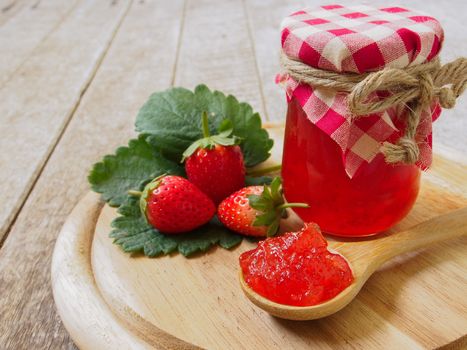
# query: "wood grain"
72 272
142 62
216 50
139 62
9 8
50 84
264 19
29 28
413 302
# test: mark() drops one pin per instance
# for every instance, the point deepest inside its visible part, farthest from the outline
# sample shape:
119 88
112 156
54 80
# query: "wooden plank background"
73 75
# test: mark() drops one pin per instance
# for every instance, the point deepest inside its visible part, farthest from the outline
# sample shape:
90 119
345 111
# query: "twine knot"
426 88
405 150
415 87
447 99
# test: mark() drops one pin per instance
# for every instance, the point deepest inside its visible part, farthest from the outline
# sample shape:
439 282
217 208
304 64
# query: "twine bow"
414 87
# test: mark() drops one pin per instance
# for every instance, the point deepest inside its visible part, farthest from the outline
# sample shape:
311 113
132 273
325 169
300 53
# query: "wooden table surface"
73 75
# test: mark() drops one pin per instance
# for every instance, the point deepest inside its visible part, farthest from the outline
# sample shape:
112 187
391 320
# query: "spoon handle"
443 227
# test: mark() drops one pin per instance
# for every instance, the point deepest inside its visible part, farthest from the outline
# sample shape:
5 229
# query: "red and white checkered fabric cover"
359 39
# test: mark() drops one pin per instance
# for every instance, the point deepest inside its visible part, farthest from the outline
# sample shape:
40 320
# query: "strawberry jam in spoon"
296 268
363 257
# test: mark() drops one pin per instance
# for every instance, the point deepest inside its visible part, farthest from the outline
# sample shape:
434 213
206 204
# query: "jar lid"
360 38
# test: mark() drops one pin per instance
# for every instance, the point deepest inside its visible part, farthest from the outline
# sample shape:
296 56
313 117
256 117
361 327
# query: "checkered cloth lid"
359 39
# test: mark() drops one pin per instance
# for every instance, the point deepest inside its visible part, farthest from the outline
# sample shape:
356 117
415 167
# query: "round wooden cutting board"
110 300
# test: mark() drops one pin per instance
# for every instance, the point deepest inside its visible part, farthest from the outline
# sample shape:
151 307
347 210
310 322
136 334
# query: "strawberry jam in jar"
376 198
352 150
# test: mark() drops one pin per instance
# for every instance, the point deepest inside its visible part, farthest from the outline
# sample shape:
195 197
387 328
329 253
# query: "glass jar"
376 198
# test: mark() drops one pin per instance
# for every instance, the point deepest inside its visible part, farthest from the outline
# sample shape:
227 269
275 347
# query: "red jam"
376 198
296 268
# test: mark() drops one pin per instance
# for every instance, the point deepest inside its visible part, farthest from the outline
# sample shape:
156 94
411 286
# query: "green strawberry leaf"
132 232
168 123
225 125
171 120
271 206
209 141
260 203
258 180
130 168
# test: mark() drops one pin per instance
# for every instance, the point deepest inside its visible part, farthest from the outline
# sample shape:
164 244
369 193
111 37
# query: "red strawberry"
172 204
255 210
236 213
218 171
215 164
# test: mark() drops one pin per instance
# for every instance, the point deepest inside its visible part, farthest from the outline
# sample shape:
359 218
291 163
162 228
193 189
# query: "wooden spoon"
364 258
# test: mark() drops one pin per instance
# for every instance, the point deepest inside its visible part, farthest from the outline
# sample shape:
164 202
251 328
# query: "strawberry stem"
204 118
135 193
262 171
293 205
